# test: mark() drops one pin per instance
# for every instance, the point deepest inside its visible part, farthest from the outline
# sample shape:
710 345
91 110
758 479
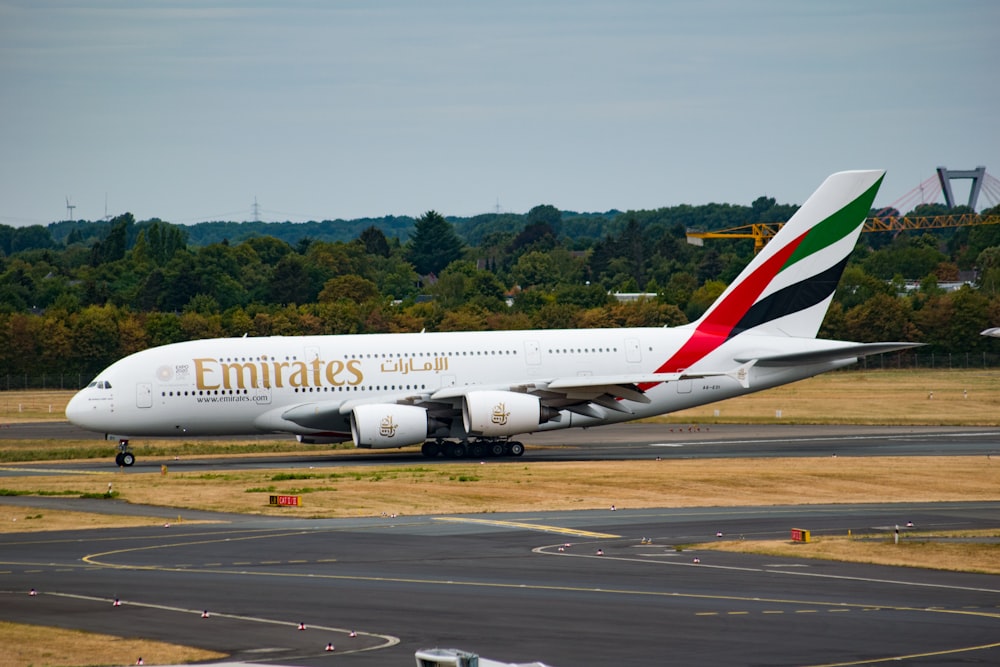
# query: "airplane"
992 331
472 393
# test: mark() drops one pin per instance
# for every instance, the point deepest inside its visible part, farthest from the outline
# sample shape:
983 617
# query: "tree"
883 317
352 288
394 276
703 297
95 338
543 224
434 244
467 318
679 289
546 270
988 264
268 248
114 245
290 283
29 238
375 242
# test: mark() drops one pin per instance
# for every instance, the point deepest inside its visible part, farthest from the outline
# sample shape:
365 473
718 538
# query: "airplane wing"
841 353
583 394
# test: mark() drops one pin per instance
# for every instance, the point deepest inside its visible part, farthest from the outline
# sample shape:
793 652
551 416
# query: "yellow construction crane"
762 232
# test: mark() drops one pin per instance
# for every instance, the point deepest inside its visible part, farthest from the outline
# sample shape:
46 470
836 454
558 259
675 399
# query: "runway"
571 589
632 441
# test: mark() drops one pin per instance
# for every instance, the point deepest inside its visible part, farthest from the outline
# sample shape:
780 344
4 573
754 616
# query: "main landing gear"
124 458
475 449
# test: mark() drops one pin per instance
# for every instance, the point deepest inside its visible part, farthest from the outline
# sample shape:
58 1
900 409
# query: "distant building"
628 297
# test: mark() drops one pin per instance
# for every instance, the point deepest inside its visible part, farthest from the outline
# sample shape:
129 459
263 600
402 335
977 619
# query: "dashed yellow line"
529 526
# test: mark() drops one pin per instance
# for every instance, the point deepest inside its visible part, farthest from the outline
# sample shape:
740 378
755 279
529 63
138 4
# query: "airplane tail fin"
788 286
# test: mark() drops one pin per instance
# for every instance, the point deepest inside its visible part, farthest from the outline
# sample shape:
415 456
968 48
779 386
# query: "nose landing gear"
124 458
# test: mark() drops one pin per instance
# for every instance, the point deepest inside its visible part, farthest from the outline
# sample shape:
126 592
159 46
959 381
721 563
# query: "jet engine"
500 413
378 426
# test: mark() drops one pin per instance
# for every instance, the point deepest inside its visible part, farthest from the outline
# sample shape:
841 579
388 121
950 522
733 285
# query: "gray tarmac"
571 589
634 441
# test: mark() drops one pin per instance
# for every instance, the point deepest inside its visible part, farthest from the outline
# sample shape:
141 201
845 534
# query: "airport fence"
929 361
891 361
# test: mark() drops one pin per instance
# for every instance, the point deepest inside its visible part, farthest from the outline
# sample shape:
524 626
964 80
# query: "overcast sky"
189 110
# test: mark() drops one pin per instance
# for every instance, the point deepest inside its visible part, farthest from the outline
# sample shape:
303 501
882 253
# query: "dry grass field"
33 405
968 551
522 486
36 646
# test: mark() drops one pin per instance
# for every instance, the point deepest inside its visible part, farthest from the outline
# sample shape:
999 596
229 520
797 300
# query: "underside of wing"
594 396
326 415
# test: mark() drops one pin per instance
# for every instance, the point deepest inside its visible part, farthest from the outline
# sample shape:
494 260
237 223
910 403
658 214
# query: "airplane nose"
83 412
75 408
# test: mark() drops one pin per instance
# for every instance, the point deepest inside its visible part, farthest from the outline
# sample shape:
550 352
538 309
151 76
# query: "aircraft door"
633 354
532 353
144 395
262 395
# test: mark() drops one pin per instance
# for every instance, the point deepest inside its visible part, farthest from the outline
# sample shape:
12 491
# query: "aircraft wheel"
516 449
128 458
430 449
455 450
118 459
477 450
497 449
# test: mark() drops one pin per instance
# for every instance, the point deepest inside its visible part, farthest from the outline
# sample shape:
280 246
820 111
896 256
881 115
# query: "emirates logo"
500 414
387 427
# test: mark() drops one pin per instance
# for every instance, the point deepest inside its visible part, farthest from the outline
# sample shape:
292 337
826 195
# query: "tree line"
75 296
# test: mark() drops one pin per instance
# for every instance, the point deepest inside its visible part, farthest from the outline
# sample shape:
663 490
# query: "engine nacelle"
378 426
500 413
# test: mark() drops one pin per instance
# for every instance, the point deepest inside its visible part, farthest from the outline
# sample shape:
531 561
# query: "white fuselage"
241 386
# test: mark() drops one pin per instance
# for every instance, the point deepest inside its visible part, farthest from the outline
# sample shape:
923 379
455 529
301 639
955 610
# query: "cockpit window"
92 384
100 384
107 385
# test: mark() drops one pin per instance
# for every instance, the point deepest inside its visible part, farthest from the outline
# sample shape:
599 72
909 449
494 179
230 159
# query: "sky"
192 110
